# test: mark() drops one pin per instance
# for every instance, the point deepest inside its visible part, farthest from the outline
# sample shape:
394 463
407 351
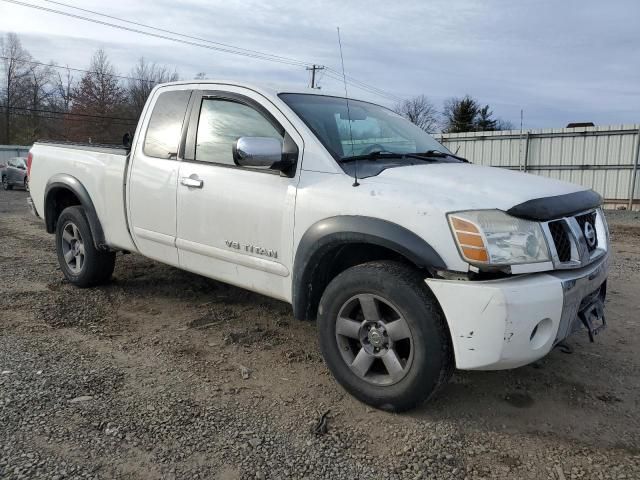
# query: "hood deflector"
550 208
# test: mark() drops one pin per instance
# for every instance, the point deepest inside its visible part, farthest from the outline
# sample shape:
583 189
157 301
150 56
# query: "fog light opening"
541 333
533 332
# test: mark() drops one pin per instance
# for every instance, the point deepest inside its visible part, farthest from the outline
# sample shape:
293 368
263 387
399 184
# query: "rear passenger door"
153 174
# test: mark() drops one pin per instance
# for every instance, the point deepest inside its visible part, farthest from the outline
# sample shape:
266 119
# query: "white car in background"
14 173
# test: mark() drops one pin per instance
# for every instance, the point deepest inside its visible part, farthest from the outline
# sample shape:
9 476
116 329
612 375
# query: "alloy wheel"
73 248
374 339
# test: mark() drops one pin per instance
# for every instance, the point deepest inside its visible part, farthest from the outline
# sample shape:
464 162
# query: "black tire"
97 265
431 362
26 184
5 183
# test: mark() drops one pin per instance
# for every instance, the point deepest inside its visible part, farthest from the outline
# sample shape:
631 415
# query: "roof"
266 89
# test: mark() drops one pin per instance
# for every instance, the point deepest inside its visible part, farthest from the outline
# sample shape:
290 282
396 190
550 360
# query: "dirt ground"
165 374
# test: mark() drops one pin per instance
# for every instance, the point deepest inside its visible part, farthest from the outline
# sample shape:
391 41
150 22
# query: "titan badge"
252 249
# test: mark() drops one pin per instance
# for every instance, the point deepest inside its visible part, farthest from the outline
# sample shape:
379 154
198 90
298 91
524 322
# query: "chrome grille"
561 240
577 241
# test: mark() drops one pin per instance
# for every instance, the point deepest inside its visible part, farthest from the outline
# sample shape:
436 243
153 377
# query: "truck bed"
90 147
101 169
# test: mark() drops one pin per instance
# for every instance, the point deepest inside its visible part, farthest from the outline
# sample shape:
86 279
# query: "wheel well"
334 261
57 200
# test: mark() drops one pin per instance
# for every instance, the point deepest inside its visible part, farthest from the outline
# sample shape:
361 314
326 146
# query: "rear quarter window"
165 125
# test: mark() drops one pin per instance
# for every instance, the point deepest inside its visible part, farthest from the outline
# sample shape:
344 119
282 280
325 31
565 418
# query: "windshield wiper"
440 154
372 156
428 156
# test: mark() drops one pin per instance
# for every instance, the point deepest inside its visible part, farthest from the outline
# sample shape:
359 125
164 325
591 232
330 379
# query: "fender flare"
331 232
63 181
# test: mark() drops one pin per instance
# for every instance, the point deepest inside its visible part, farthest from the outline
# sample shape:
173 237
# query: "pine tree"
484 121
460 114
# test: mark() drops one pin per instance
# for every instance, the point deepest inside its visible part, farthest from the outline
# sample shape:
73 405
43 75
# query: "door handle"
191 182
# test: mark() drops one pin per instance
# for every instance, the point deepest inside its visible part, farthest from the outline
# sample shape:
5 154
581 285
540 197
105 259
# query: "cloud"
560 61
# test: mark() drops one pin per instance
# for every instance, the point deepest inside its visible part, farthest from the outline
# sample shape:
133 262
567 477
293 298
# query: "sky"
559 61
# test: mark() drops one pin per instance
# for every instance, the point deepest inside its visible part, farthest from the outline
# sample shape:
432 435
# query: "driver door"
235 223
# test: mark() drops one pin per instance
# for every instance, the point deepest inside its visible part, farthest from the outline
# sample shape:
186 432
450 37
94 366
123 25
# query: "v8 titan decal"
252 249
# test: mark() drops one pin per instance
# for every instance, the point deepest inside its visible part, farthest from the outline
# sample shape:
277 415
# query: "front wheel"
5 183
80 261
384 336
26 183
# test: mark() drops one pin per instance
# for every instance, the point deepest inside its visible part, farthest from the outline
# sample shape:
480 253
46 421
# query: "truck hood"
455 186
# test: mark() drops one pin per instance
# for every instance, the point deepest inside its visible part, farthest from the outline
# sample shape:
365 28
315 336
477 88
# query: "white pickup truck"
412 260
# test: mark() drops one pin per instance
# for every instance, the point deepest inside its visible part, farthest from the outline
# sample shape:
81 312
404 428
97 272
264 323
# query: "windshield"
373 128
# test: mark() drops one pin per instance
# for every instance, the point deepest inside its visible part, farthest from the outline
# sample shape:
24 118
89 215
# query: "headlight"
491 237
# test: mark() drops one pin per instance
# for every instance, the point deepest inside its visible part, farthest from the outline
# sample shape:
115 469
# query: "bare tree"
145 76
100 98
16 70
419 111
62 89
39 91
64 85
504 124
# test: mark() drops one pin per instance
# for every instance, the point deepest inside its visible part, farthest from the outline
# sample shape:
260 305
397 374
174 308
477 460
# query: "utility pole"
313 70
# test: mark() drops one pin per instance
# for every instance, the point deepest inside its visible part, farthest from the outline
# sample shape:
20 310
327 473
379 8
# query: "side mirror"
257 152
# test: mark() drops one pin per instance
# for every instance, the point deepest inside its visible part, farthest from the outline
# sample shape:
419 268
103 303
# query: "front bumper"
507 323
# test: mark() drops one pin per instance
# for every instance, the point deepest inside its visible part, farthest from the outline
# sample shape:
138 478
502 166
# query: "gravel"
164 374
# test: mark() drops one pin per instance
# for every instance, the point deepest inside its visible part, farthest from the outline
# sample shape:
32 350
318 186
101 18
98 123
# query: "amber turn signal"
469 240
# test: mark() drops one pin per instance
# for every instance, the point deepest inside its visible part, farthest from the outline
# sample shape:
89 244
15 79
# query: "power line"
235 51
225 45
217 46
57 112
50 65
334 75
315 68
367 88
66 119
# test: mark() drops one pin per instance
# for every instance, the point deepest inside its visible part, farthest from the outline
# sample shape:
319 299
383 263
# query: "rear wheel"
80 261
5 183
383 335
26 183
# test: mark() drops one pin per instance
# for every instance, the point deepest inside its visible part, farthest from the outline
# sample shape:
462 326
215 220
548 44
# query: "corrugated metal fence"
10 151
603 158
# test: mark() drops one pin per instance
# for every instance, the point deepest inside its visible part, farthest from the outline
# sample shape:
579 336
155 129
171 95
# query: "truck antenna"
346 95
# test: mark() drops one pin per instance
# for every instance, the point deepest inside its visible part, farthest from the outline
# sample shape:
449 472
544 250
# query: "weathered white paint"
143 207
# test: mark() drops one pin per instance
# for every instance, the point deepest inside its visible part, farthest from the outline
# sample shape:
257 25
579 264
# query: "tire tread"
99 264
411 278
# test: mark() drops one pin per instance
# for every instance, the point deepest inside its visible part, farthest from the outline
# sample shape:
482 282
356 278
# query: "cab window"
165 125
222 122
